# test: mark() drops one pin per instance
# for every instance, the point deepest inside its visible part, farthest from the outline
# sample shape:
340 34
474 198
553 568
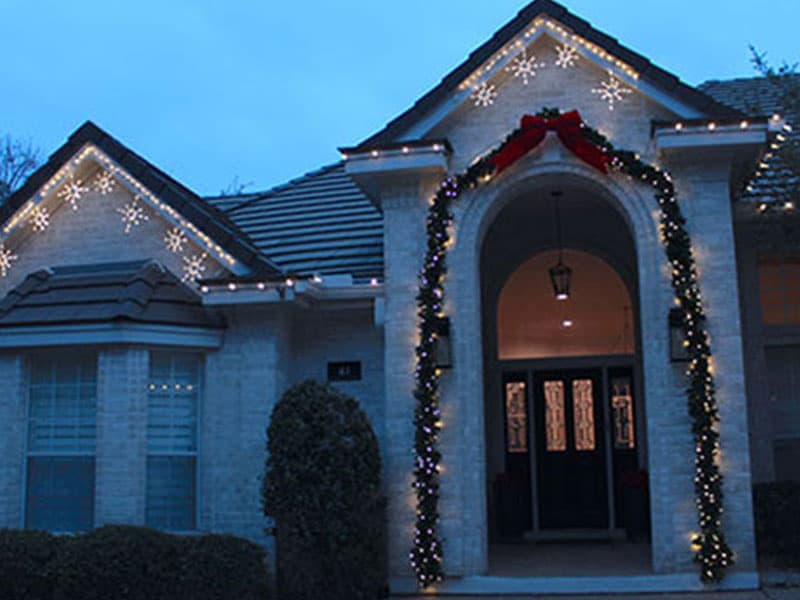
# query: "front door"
570 451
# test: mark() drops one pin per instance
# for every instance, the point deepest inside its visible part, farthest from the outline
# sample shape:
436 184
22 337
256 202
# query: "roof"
203 215
140 292
649 72
762 95
321 223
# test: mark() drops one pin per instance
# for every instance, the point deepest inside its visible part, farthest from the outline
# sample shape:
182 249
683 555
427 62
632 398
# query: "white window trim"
27 453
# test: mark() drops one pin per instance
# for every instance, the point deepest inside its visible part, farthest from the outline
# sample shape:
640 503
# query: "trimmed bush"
322 487
24 556
130 563
216 567
777 519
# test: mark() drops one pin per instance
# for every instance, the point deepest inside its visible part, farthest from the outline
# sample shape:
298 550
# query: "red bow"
569 129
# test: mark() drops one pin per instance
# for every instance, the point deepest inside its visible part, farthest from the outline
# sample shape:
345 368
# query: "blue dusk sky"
266 90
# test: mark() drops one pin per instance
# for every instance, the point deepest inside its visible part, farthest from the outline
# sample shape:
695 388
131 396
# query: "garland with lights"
711 550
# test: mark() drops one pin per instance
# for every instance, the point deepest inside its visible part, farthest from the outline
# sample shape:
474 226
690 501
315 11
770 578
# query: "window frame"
197 453
28 362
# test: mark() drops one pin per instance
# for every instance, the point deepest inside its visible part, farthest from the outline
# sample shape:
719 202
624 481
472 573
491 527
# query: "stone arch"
464 392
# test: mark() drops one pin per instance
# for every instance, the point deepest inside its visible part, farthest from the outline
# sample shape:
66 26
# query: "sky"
264 91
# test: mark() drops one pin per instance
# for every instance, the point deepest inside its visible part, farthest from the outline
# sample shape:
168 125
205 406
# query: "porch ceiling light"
560 274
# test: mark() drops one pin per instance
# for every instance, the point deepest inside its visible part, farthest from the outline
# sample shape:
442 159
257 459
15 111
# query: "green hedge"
776 507
130 563
322 487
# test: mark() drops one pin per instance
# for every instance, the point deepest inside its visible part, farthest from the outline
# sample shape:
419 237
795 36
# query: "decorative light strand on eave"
90 151
392 152
519 43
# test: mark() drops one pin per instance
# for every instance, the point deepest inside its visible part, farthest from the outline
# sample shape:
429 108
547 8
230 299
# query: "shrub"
24 556
217 567
130 563
776 507
322 487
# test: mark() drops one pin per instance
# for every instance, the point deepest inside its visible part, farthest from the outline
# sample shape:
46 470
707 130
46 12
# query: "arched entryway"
564 410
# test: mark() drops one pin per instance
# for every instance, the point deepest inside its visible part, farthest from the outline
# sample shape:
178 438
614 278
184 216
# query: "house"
146 332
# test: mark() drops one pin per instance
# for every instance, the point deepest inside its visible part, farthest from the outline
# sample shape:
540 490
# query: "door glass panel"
516 418
622 406
556 430
583 406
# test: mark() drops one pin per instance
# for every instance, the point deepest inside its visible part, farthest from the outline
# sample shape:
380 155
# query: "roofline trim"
88 334
90 151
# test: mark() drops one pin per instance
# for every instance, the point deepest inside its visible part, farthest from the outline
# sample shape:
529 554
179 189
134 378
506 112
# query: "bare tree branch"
18 159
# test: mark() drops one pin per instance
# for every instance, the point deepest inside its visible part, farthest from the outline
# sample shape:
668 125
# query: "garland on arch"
711 550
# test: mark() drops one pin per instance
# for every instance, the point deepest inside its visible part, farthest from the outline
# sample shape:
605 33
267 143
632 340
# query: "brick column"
12 440
121 456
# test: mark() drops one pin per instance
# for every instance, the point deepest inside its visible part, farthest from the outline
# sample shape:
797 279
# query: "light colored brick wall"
705 198
12 438
121 458
95 234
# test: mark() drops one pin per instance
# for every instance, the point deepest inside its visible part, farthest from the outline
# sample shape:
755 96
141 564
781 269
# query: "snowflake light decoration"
6 258
175 239
39 219
484 95
194 267
612 91
567 56
73 191
105 183
525 66
133 214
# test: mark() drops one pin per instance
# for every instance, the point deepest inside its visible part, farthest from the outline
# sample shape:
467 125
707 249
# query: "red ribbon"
569 129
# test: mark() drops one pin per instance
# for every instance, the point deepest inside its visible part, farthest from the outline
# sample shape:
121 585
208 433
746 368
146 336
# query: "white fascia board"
105 334
669 138
395 161
302 290
459 95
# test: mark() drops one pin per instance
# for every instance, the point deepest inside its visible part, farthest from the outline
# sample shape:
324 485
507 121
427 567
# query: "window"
622 410
516 418
784 409
555 426
583 413
172 440
62 406
780 291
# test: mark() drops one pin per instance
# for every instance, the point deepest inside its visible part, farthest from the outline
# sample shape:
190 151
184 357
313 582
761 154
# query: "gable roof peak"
668 84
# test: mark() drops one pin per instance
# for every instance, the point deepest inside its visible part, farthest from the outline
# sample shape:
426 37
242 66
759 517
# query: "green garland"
710 547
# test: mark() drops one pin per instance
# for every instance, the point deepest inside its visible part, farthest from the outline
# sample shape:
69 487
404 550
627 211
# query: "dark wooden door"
570 450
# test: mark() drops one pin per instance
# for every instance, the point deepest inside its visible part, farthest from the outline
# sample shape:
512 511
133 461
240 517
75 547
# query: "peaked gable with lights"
96 201
546 57
545 36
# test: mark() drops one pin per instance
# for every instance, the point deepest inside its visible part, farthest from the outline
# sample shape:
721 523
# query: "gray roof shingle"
763 96
321 223
141 291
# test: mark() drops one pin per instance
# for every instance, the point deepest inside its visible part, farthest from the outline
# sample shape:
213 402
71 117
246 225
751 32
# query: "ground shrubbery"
130 563
322 487
777 518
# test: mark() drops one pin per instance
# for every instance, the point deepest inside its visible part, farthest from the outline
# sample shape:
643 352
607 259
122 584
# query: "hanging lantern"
442 350
560 274
561 277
